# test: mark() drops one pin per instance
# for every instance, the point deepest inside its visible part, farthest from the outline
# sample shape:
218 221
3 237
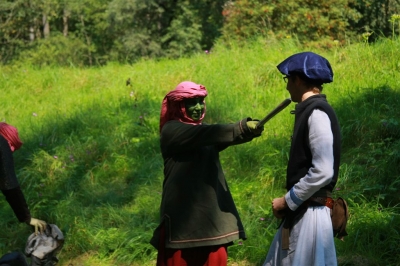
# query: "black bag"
15 258
339 215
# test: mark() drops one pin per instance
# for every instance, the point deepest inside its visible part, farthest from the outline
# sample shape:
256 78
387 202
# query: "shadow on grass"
89 172
370 116
370 123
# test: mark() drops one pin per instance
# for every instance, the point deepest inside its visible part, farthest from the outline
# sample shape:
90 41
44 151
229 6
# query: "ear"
301 84
298 81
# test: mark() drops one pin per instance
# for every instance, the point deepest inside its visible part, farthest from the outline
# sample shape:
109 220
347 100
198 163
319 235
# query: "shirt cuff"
292 200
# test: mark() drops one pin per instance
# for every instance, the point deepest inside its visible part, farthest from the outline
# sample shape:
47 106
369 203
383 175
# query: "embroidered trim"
204 239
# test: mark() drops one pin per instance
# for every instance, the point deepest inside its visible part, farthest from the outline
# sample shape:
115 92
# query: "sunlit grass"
91 163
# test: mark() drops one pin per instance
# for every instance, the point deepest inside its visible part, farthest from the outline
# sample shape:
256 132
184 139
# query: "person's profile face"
293 89
195 107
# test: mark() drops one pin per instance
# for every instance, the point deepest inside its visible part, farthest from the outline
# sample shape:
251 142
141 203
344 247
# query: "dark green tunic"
197 208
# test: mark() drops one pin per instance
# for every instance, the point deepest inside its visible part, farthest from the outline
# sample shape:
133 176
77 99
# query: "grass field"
91 162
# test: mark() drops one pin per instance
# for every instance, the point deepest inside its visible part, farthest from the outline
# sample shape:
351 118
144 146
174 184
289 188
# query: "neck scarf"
10 133
173 106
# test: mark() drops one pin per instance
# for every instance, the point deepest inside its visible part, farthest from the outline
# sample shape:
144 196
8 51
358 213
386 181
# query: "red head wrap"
173 106
10 133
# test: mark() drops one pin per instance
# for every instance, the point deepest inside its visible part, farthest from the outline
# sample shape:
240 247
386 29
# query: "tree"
162 28
184 34
14 16
244 19
376 16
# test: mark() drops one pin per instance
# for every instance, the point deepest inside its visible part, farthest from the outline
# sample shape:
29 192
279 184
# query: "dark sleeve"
178 137
17 202
8 179
9 183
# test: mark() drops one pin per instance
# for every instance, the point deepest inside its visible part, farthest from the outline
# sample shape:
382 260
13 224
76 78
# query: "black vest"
300 160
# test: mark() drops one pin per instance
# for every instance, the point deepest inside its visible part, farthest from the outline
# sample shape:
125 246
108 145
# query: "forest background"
94 32
83 82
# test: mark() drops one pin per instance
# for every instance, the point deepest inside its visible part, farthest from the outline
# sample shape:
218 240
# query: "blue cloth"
312 65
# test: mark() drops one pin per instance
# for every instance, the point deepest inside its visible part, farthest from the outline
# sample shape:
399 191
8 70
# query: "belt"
320 201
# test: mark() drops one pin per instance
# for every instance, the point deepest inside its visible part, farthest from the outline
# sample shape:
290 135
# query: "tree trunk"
46 26
87 40
31 33
65 22
37 26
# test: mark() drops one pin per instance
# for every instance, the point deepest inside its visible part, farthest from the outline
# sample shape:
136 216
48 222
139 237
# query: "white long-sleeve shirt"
321 173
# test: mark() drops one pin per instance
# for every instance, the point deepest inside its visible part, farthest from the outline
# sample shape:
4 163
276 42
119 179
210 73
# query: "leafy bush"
56 51
309 21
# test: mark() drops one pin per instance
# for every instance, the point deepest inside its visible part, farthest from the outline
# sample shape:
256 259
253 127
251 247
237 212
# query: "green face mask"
194 108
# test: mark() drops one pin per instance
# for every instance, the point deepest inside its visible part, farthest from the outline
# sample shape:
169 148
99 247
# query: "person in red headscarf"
9 186
199 219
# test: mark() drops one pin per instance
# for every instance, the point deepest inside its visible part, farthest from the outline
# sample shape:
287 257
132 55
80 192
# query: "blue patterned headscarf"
313 66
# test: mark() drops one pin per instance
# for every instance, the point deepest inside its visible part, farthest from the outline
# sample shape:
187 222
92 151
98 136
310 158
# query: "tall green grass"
91 162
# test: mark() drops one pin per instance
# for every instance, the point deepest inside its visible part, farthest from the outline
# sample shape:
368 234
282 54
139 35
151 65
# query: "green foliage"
183 36
12 28
148 29
56 51
211 20
377 16
309 21
136 26
395 21
130 30
91 162
118 30
247 18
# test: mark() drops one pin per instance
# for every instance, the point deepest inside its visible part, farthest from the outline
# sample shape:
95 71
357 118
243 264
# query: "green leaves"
308 21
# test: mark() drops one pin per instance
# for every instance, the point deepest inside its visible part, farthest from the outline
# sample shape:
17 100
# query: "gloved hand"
38 224
252 125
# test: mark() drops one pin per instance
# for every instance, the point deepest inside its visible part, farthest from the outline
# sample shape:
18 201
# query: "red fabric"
173 107
10 133
200 256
